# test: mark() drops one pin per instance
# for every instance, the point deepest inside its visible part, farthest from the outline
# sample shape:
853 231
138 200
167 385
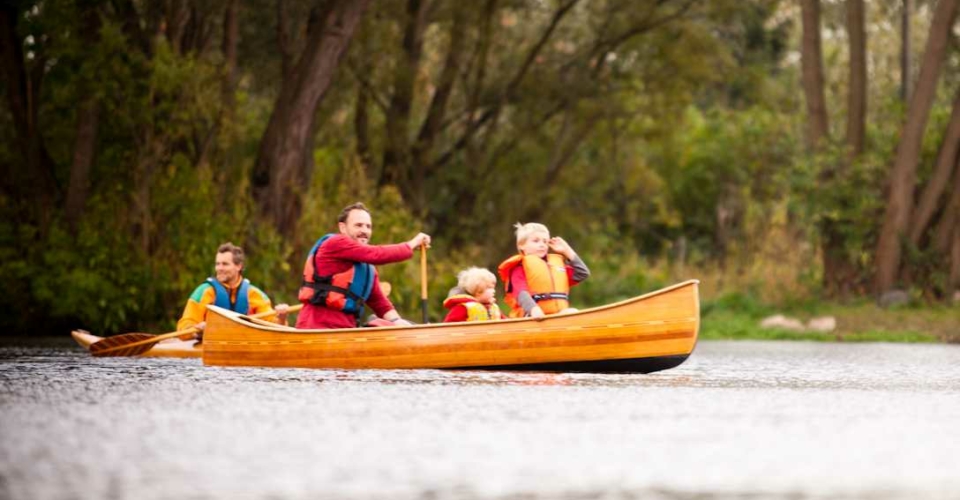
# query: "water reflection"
739 419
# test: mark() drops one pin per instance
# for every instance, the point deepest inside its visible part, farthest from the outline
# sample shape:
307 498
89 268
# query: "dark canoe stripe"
635 365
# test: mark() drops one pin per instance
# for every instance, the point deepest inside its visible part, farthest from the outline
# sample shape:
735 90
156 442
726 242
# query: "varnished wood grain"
659 324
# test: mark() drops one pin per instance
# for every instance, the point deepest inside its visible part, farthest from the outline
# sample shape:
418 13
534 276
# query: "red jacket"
338 254
458 308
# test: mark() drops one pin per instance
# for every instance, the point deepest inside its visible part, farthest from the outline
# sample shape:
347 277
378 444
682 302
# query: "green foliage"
617 278
745 303
726 161
857 323
729 326
664 144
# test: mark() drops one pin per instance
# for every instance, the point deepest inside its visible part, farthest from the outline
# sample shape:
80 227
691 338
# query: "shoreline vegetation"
855 322
861 322
725 141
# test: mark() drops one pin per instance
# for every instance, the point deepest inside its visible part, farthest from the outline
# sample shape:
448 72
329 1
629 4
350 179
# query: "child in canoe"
475 298
538 279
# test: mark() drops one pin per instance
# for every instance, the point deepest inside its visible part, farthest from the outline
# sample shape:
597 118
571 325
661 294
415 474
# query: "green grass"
739 319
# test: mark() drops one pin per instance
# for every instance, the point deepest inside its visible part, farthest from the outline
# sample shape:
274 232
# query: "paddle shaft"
165 336
423 281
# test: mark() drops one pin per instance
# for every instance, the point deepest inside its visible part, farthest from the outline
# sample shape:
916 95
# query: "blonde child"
478 300
538 279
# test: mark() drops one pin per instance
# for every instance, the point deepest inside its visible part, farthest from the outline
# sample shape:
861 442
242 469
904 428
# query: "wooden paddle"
134 344
423 281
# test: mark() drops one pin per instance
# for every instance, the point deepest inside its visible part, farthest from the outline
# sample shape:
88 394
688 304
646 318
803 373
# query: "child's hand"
536 312
557 244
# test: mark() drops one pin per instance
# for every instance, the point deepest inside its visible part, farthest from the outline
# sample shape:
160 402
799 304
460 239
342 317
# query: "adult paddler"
339 277
230 290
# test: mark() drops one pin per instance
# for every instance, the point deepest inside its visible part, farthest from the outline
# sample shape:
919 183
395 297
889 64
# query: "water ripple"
737 420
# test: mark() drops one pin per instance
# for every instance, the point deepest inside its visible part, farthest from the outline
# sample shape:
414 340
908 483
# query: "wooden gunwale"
663 323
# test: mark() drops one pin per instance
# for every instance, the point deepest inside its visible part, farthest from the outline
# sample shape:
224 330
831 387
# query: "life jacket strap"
322 288
539 297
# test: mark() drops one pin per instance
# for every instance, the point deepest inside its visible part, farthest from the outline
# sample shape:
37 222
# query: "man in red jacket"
335 259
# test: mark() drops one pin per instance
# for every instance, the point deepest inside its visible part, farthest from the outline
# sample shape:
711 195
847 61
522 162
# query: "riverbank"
734 319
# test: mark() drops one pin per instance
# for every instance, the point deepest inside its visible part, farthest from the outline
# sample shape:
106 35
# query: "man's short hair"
524 231
349 208
235 250
474 280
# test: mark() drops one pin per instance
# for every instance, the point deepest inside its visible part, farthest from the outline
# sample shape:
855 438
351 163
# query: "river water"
745 420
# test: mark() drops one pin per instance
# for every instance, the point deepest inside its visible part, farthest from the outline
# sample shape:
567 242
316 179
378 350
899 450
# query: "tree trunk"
361 128
838 271
88 123
954 281
857 93
492 113
903 173
152 151
905 50
397 159
175 22
35 187
284 42
131 23
931 197
199 29
811 59
951 215
215 137
231 37
84 148
284 162
836 268
725 218
436 113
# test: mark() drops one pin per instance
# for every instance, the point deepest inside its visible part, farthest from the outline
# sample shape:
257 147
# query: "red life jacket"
347 291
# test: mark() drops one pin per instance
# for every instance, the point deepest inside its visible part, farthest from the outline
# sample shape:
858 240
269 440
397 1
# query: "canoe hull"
166 349
635 365
648 333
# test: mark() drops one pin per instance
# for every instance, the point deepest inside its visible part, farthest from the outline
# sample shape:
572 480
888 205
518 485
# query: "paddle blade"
120 345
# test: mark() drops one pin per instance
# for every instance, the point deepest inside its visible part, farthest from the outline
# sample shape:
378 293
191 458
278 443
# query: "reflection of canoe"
643 334
172 348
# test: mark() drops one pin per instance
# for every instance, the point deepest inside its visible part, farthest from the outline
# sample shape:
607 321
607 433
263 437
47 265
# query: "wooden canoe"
172 348
651 332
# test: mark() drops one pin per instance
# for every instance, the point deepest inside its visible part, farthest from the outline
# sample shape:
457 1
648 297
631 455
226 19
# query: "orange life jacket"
475 310
547 281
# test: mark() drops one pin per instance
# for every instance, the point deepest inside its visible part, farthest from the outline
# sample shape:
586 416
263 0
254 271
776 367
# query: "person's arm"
518 286
282 311
195 312
530 307
379 303
577 271
260 302
393 316
341 247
